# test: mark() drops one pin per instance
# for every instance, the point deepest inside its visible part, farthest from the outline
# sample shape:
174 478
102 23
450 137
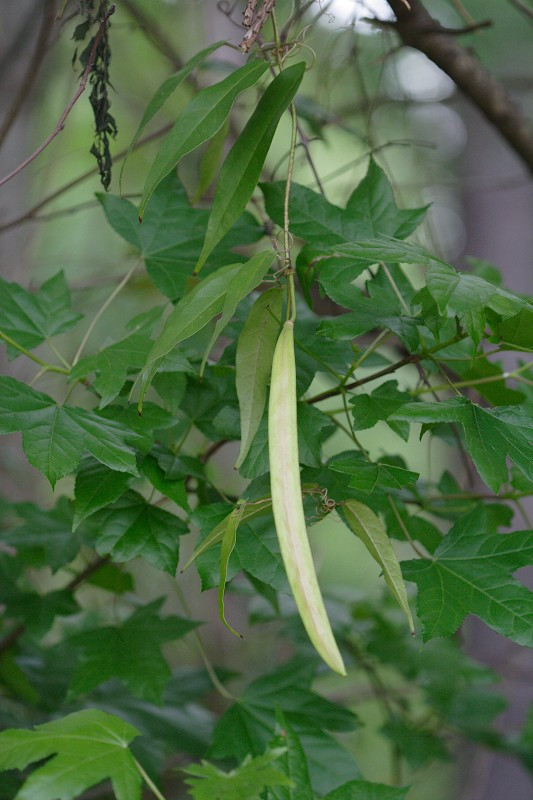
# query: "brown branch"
30 215
81 88
523 8
14 635
418 29
33 68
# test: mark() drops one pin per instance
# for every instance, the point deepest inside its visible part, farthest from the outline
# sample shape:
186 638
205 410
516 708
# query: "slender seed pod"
287 502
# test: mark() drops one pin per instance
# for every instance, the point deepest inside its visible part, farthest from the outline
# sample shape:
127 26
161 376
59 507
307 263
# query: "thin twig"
81 88
33 69
30 215
103 308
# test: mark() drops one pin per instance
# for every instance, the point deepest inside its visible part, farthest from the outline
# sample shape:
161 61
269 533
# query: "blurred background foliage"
365 96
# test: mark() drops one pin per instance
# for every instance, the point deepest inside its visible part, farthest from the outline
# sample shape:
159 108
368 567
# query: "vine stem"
473 383
103 309
46 366
147 779
220 688
63 118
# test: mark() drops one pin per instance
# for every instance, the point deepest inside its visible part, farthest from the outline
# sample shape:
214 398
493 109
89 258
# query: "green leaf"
471 573
363 790
190 315
129 652
491 434
96 486
227 545
381 308
367 475
37 611
30 318
239 286
369 528
198 122
132 528
518 329
171 235
210 161
313 428
370 211
45 537
242 167
113 364
55 438
466 295
165 90
173 489
248 726
418 746
86 748
253 363
368 409
294 764
248 780
214 535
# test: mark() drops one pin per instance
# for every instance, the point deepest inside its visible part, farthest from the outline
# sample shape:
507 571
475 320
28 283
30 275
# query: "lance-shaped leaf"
198 122
239 287
55 438
192 313
229 539
249 511
165 90
253 363
83 749
242 167
369 528
471 573
491 434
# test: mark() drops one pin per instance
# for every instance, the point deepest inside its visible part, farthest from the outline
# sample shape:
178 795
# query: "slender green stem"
58 355
474 383
403 526
148 781
360 359
36 359
221 689
103 309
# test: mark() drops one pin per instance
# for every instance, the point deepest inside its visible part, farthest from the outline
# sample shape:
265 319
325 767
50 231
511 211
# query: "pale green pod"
287 504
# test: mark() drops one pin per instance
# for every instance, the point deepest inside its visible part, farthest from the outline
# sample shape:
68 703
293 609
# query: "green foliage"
411 346
96 743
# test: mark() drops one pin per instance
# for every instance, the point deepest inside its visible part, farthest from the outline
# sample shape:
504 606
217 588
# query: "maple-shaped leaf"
31 318
130 652
471 573
491 434
132 527
96 486
45 537
368 409
112 365
456 293
370 210
250 723
55 437
207 782
381 308
83 749
172 234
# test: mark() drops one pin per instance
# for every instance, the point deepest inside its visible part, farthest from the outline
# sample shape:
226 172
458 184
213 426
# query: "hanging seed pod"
287 503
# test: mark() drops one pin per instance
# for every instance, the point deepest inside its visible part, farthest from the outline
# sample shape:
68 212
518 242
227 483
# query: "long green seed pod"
287 503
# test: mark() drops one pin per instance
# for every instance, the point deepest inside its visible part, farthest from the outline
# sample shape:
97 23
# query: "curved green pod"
287 503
